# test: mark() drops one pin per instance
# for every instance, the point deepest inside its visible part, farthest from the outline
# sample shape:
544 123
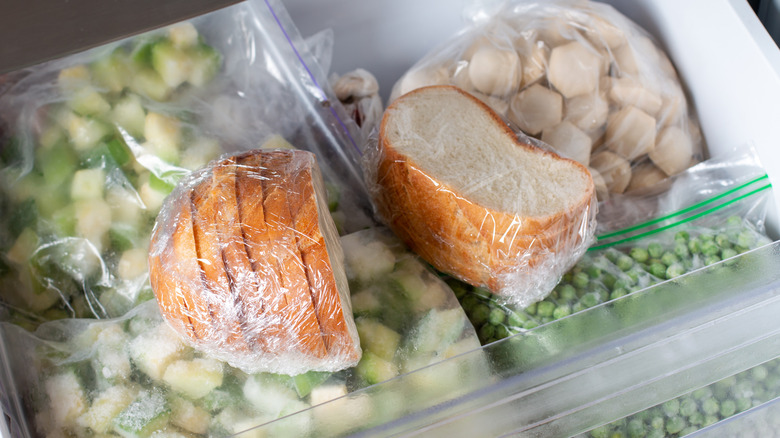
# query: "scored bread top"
459 143
246 264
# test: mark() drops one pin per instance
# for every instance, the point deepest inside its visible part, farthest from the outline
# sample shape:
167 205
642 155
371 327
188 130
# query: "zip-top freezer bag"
93 143
703 216
134 376
581 77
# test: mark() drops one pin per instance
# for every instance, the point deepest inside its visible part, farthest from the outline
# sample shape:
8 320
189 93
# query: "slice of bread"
244 267
459 187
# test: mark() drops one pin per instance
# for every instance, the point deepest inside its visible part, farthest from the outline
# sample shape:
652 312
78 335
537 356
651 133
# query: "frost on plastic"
246 264
135 376
582 78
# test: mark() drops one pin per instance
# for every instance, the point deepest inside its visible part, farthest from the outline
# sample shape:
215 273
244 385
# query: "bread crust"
457 235
305 209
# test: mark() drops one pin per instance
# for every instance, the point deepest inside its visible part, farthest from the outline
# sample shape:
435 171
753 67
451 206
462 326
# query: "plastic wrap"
581 77
134 376
475 200
246 264
93 143
709 213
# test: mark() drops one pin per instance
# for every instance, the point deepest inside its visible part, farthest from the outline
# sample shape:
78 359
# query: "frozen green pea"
624 262
675 270
706 237
578 307
696 418
681 250
671 407
580 280
480 314
675 424
530 324
608 280
702 393
722 240
497 316
531 309
711 259
669 258
487 331
655 250
743 404
682 235
516 319
635 428
728 408
617 293
639 254
709 248
590 300
746 239
657 422
545 309
740 249
655 433
710 406
694 246
759 372
658 270
501 332
567 292
709 420
600 432
593 271
688 407
561 312
470 302
688 430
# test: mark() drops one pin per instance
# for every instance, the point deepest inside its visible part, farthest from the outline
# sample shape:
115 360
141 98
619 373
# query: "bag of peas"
714 211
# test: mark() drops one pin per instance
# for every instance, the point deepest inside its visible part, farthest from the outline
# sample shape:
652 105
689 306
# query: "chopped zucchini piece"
86 101
173 64
88 184
378 338
367 260
193 378
23 247
152 351
183 35
112 72
163 136
148 413
148 82
72 78
106 406
67 397
306 382
373 369
269 396
129 113
86 132
189 417
57 164
205 63
132 263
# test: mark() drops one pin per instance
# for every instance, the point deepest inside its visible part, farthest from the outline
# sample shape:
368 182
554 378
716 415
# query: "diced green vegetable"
193 378
149 412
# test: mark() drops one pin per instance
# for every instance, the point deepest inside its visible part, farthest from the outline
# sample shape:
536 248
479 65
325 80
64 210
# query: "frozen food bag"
476 200
704 216
246 263
92 143
135 376
581 77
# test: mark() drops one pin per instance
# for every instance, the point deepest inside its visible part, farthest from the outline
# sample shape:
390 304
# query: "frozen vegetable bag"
94 142
134 376
581 77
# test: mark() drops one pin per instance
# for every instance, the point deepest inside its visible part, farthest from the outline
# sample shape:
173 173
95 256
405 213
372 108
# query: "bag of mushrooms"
582 78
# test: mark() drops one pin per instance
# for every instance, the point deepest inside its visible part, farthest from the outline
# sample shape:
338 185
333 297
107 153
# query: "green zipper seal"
683 211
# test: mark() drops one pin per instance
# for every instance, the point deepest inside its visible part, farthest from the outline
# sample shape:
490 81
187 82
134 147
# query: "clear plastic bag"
581 77
134 375
93 143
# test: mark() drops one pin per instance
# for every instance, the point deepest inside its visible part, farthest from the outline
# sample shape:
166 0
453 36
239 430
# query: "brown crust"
216 289
295 284
303 203
459 236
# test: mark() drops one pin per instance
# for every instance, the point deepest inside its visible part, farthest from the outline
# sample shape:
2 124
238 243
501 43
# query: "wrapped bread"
453 181
246 264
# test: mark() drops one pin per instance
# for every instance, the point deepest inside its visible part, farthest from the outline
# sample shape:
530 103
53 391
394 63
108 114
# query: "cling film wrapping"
581 77
245 262
510 218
